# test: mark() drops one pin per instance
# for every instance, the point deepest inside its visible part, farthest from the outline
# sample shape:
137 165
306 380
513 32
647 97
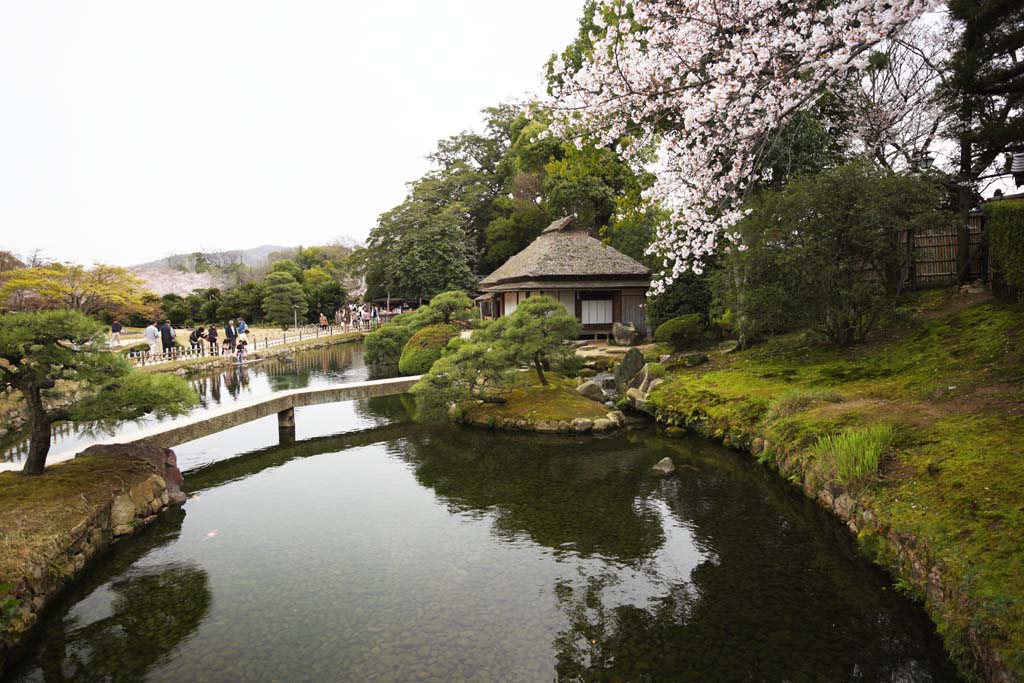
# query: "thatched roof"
563 251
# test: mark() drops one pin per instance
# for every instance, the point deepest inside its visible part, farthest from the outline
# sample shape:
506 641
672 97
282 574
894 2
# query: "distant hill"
250 257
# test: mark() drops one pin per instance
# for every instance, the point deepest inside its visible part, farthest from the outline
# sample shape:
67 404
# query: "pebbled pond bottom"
411 553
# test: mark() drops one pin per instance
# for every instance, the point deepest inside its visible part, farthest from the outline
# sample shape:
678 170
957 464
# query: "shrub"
1005 226
682 332
853 455
424 348
824 253
689 293
382 348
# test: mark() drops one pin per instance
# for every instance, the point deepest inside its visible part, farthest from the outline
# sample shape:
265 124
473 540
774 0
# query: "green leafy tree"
825 253
283 298
535 333
470 370
983 87
449 307
52 358
483 368
287 266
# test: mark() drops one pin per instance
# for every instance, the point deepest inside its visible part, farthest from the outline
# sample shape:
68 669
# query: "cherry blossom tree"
710 81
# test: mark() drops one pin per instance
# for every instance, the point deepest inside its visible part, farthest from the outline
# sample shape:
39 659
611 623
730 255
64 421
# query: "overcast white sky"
131 129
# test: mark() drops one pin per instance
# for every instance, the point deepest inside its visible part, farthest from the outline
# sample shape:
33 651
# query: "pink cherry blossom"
709 81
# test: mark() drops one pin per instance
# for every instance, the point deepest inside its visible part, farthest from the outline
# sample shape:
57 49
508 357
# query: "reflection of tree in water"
149 612
781 597
155 609
565 494
388 408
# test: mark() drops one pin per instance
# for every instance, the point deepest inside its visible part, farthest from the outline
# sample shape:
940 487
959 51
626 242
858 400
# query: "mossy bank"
52 525
938 402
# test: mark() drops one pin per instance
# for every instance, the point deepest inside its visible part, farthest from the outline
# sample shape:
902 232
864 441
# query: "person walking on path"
366 318
195 340
231 335
167 336
152 335
211 336
115 333
374 318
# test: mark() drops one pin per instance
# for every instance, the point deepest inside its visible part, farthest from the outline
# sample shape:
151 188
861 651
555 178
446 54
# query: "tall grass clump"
799 400
853 455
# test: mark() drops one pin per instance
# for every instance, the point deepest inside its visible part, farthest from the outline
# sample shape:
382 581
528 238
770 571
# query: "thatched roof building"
597 283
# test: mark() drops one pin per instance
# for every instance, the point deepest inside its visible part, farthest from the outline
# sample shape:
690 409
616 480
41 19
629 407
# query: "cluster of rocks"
632 380
580 425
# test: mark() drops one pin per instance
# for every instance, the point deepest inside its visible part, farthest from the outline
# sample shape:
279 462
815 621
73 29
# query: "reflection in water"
319 367
411 552
125 618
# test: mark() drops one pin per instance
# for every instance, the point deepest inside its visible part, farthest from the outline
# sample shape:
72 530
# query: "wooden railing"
254 342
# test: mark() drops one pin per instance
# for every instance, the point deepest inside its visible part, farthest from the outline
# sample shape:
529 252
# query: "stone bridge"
283 403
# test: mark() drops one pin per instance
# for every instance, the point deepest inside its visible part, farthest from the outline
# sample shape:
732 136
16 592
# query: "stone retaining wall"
142 494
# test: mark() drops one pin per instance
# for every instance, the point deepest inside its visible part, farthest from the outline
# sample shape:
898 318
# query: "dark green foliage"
424 347
490 196
58 362
244 301
382 348
283 298
690 293
684 332
482 368
1005 226
448 307
824 253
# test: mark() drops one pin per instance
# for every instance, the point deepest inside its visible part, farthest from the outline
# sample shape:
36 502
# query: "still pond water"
376 549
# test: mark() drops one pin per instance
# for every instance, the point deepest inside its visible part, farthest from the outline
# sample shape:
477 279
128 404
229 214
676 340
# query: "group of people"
362 317
162 337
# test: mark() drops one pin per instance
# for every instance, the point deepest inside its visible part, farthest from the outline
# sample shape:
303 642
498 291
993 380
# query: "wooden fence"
254 342
933 255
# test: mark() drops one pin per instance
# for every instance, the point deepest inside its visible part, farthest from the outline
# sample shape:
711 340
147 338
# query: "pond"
319 367
378 549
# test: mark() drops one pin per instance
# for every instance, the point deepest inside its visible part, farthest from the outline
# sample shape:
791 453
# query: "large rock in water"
592 391
631 364
625 333
664 467
163 461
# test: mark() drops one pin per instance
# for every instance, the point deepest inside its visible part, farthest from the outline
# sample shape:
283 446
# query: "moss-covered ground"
38 513
950 379
529 400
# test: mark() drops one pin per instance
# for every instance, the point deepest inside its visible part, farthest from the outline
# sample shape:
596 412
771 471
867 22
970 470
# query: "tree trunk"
540 369
964 194
39 439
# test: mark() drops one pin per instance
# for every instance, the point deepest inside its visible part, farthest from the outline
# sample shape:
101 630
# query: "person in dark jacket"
115 333
231 335
195 340
211 336
167 336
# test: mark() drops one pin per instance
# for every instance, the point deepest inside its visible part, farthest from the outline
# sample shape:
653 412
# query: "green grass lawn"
943 394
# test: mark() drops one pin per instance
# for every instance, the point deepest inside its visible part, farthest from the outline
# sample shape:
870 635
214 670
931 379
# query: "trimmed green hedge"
383 347
1005 226
683 332
424 347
